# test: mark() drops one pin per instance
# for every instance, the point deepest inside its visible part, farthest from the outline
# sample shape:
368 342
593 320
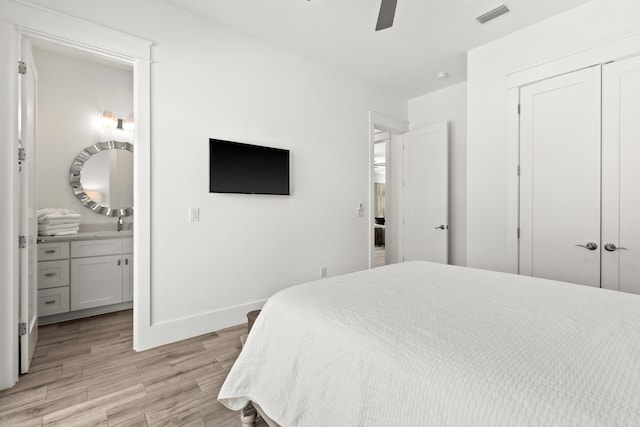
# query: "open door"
28 207
426 194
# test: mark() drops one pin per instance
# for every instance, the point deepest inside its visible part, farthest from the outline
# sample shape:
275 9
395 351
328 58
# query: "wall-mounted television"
240 168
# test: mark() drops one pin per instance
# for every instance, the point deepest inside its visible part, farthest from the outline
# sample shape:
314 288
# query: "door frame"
395 126
38 22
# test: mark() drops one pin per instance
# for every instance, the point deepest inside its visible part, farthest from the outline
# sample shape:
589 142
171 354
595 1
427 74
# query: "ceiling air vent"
493 14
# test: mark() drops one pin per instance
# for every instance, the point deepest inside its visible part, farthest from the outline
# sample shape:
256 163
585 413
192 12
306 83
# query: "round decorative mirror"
102 178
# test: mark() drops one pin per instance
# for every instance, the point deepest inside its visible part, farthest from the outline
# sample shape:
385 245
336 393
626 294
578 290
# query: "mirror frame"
75 175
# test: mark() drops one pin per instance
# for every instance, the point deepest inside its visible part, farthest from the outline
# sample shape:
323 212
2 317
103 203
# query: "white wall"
491 203
211 82
71 93
450 105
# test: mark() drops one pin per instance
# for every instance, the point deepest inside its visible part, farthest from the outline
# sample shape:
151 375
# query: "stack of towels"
58 222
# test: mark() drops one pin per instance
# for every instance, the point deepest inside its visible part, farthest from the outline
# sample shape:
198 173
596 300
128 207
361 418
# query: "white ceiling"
428 36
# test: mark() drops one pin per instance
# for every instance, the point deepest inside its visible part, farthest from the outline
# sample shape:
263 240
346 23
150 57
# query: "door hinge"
22 67
518 109
518 170
518 232
22 242
22 329
22 154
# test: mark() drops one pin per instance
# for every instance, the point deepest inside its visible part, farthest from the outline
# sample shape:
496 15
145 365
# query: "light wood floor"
85 373
379 256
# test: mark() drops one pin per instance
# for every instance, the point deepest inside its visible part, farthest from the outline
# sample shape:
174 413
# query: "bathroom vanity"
83 275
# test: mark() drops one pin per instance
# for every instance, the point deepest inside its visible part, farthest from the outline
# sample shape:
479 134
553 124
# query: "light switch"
194 214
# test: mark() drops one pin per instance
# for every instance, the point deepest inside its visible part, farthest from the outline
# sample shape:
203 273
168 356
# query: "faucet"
120 223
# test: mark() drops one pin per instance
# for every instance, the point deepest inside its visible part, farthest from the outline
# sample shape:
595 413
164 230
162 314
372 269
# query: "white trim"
55 26
9 272
203 323
392 125
513 180
610 50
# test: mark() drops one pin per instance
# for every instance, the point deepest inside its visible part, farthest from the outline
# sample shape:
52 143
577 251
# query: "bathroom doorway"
84 182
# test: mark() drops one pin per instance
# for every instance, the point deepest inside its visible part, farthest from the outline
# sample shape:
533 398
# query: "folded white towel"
48 214
73 221
58 233
52 227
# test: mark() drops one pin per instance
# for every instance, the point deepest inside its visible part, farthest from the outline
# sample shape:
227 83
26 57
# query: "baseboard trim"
167 332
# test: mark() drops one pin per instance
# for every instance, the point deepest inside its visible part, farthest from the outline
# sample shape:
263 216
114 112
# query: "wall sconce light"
110 121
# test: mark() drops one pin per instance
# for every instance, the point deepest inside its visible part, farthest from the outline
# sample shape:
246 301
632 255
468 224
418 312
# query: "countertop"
88 235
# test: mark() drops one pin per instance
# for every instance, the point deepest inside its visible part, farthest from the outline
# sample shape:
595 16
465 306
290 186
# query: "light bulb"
127 123
109 120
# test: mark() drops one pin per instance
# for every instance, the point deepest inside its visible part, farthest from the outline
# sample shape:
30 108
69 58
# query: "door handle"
442 227
611 247
591 246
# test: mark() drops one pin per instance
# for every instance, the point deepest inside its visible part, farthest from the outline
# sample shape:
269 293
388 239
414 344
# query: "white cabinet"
100 273
84 274
127 277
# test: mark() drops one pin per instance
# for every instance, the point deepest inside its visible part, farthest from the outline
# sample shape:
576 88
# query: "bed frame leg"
248 416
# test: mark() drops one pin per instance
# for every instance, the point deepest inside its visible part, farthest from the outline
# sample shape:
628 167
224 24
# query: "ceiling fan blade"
387 12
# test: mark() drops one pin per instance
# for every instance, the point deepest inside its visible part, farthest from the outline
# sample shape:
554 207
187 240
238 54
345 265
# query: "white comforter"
419 344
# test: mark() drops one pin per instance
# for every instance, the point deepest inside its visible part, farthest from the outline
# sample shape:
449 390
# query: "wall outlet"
323 271
194 214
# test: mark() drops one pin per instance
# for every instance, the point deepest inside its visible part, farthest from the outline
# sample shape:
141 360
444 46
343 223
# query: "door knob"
591 246
442 227
611 247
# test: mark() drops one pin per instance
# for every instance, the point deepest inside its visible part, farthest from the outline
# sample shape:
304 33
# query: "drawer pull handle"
50 251
49 302
119 262
49 274
126 261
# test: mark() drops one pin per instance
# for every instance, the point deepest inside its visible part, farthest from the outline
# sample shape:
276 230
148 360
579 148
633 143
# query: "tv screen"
247 169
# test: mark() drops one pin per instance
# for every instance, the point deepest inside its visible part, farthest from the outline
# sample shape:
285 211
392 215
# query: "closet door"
560 178
621 175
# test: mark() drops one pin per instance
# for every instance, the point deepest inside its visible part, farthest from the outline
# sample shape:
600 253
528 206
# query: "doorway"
382 140
25 21
80 177
385 187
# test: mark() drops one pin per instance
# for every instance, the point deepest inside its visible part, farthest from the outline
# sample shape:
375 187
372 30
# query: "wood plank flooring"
85 373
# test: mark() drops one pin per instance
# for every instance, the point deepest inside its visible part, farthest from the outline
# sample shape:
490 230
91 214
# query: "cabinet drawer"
127 246
53 301
82 249
52 251
53 274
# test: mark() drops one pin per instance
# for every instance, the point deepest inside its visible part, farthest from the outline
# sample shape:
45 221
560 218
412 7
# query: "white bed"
429 344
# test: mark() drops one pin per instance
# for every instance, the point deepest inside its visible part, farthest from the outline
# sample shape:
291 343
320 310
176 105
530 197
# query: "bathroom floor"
84 372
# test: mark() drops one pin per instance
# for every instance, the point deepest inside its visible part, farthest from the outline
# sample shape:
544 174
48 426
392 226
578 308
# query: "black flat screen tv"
247 169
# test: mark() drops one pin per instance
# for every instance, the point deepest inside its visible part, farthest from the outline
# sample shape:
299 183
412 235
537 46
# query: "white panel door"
426 169
560 178
621 175
28 209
